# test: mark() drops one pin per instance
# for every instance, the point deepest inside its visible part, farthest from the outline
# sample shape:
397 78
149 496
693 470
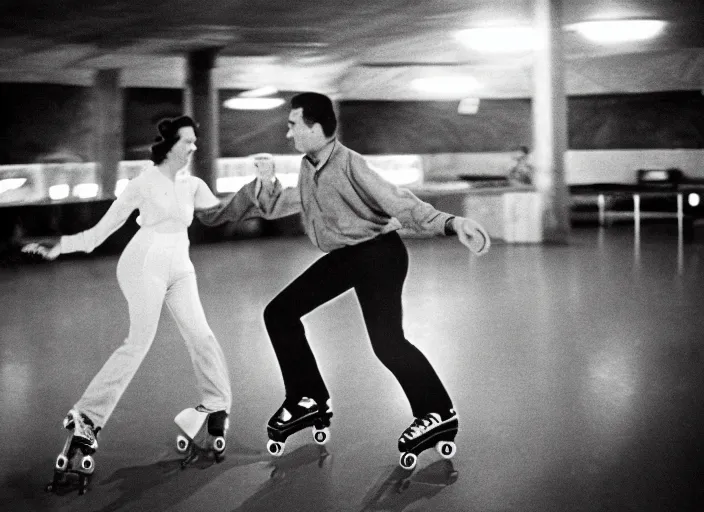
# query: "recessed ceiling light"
239 103
498 39
619 31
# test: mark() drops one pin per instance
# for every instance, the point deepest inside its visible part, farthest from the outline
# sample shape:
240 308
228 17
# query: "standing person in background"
351 214
522 172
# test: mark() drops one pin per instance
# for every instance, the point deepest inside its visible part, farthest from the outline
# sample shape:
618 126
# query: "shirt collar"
319 160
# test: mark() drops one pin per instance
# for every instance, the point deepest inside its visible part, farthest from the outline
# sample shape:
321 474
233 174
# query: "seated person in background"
522 172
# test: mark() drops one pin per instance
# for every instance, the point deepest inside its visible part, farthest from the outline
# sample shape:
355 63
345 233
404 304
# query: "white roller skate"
294 416
201 431
77 455
431 430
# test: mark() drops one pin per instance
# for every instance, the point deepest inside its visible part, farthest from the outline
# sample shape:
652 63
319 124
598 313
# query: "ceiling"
354 49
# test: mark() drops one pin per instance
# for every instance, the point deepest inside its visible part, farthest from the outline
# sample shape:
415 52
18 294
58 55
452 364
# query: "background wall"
379 127
667 120
41 121
610 136
143 110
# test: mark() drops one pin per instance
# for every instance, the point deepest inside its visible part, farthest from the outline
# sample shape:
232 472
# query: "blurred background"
573 350
438 95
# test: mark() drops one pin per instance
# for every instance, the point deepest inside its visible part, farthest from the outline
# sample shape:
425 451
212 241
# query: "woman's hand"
472 235
46 251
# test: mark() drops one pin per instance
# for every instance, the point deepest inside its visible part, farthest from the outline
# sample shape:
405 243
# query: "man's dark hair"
317 108
168 136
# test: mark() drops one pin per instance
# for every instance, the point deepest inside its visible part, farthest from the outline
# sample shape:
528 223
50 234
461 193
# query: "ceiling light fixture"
618 31
86 190
11 184
468 106
57 192
498 39
239 103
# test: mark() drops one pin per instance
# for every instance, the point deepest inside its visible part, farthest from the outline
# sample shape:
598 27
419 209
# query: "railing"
28 184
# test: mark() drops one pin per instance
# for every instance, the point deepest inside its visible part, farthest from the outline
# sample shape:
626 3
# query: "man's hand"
266 170
472 235
48 252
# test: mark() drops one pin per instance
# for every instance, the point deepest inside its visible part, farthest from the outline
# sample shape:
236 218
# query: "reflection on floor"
577 372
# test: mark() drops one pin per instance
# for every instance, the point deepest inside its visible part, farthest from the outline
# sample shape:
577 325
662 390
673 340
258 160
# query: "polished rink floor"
577 372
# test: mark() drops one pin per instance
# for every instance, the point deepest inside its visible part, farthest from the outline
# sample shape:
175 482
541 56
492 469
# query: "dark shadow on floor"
164 484
398 489
301 475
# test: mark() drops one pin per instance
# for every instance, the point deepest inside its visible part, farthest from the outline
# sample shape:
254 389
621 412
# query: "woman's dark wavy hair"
317 108
168 136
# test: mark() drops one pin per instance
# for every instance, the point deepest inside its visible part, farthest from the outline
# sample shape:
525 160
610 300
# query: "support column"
550 121
200 101
108 129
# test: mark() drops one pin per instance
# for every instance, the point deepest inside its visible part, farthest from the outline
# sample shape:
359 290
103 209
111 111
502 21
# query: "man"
352 214
521 173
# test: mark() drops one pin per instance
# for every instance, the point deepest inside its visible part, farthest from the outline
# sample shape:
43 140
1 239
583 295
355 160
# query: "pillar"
201 102
108 129
550 121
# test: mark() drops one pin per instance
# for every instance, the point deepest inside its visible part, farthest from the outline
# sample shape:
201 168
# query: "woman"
154 268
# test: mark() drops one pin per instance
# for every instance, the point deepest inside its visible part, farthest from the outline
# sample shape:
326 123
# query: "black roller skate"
293 416
430 430
77 455
201 431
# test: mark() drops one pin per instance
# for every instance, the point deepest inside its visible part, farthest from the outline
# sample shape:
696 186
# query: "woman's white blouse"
158 200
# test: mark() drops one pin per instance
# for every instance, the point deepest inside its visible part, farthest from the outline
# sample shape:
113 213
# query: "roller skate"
430 430
201 431
293 416
77 455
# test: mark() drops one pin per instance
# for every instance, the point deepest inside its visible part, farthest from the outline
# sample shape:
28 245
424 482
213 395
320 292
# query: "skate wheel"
446 449
182 443
87 464
275 448
219 445
61 462
321 435
49 487
408 460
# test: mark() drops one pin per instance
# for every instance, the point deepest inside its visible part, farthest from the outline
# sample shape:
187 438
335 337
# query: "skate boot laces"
305 403
302 408
424 424
421 425
82 428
